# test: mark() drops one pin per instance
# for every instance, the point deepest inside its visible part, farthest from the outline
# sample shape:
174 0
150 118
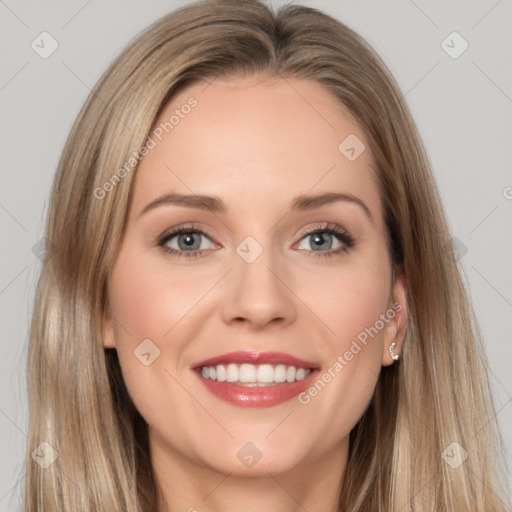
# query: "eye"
186 241
327 240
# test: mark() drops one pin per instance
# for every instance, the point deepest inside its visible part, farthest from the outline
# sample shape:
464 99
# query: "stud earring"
395 357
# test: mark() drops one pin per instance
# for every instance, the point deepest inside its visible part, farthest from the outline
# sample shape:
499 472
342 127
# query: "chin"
249 460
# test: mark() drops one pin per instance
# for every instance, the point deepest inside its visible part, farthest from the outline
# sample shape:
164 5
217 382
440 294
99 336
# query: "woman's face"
209 323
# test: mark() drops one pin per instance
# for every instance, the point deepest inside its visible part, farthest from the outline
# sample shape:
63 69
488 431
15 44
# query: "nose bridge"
257 293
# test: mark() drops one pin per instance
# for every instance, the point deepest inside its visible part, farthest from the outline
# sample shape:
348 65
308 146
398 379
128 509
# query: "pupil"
319 239
188 240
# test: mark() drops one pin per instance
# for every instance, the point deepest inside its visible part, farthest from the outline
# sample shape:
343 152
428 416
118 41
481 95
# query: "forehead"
255 141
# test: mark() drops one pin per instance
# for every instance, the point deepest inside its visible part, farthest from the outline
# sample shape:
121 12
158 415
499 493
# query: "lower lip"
266 396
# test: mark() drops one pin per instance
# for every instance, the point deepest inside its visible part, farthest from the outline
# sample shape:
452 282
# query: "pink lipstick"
255 379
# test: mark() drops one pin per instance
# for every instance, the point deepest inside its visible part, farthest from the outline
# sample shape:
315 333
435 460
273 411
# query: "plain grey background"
461 102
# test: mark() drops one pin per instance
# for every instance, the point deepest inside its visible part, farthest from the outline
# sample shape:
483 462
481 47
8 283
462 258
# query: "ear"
397 315
107 330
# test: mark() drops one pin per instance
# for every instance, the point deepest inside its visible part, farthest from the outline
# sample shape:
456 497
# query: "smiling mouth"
255 379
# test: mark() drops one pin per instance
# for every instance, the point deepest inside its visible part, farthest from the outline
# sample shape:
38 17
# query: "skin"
256 143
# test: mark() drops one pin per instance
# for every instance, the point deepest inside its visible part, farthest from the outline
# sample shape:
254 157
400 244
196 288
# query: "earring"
395 357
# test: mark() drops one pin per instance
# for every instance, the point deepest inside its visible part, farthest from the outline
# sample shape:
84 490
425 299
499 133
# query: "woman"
193 345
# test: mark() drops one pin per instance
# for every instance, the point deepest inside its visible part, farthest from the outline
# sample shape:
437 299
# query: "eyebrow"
216 205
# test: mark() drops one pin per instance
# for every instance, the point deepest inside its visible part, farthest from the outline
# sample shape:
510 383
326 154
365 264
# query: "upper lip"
252 357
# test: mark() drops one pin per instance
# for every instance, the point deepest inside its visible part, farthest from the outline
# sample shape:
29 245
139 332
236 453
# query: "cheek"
149 300
148 305
348 300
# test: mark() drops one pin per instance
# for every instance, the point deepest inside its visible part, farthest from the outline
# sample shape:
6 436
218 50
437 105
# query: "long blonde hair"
436 395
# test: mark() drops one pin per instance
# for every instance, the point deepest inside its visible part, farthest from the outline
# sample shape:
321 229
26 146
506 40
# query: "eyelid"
324 226
172 232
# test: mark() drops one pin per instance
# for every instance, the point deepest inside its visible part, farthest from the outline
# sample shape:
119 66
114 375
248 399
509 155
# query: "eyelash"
332 229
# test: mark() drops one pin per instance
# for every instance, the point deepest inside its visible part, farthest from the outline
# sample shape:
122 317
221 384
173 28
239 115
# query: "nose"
258 294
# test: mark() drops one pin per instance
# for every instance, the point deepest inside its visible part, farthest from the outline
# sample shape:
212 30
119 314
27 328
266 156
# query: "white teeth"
247 373
250 374
280 373
221 373
265 373
232 373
